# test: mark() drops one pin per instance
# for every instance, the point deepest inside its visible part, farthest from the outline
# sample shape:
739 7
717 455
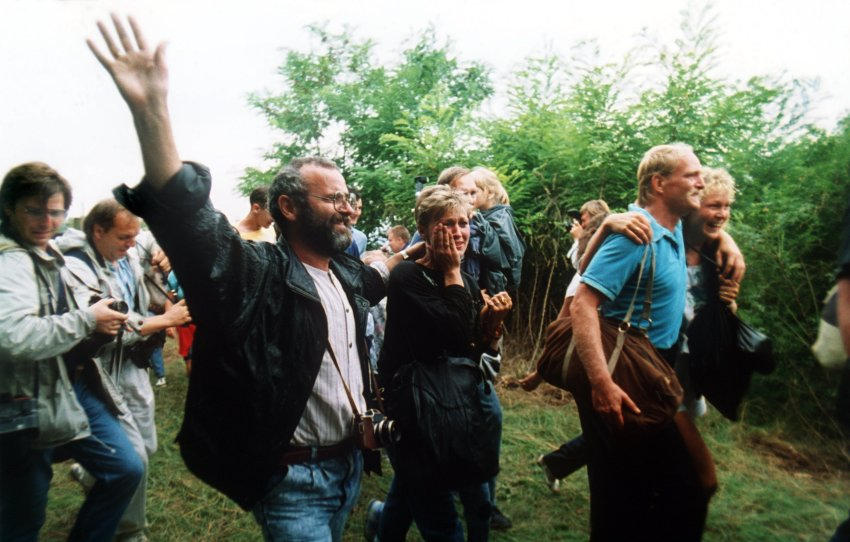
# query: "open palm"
139 73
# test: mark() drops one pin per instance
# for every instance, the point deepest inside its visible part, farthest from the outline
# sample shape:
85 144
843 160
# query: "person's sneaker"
373 519
553 483
160 382
499 521
82 477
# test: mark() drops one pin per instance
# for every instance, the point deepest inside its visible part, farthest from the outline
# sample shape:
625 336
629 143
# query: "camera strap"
345 384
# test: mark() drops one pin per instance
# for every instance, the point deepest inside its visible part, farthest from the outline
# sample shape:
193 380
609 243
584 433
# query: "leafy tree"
382 124
575 129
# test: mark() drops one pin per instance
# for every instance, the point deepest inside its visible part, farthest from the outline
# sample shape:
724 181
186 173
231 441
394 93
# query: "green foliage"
383 124
575 129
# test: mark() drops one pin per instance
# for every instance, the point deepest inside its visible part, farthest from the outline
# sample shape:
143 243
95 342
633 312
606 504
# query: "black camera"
374 430
118 306
89 346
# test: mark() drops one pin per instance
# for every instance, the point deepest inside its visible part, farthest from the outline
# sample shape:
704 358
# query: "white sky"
59 106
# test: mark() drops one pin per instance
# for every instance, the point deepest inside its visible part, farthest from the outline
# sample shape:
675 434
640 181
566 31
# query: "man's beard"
321 235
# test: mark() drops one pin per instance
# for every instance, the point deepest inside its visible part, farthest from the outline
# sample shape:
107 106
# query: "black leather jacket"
260 337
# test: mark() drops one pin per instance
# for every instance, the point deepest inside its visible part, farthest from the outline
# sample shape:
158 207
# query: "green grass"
773 486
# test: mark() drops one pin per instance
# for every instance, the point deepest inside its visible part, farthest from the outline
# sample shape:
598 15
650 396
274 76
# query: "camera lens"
386 432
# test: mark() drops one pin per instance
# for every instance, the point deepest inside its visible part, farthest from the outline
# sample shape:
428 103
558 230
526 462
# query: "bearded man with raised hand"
266 421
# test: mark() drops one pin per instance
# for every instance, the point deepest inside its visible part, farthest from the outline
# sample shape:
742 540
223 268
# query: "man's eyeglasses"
339 199
37 212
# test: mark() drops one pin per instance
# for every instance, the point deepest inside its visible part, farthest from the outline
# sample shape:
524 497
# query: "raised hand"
142 79
576 230
139 73
495 311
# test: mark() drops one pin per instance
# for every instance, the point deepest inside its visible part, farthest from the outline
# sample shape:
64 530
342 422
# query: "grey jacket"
99 279
33 338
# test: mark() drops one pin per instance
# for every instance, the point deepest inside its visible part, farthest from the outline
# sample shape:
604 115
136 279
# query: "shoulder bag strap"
647 307
42 309
626 323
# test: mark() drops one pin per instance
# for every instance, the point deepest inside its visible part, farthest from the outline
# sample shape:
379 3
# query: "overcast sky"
59 106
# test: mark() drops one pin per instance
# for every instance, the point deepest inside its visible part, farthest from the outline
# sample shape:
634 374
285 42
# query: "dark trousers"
646 490
570 457
641 490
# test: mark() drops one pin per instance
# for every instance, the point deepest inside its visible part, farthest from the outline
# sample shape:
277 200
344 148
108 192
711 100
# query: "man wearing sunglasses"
267 420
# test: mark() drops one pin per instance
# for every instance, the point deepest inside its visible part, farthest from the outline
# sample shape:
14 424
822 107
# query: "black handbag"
448 423
723 353
755 349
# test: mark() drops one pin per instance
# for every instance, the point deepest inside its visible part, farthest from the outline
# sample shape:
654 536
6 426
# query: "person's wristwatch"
404 254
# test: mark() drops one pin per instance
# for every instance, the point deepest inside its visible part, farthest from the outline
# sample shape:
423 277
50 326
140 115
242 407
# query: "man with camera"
55 402
281 326
104 263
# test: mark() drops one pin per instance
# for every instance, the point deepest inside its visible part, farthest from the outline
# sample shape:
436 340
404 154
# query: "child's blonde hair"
488 182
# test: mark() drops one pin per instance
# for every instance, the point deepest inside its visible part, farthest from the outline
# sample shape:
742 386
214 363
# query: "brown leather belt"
311 454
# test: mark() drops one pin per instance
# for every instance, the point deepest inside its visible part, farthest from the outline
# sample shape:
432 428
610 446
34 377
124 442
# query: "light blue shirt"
358 243
127 279
613 273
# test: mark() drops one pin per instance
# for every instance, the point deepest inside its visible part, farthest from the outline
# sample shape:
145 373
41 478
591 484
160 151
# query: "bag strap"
41 311
645 314
626 323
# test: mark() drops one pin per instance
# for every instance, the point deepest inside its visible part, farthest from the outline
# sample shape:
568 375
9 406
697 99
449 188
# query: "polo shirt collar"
658 231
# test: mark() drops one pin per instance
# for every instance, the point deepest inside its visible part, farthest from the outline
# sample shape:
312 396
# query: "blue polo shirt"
613 273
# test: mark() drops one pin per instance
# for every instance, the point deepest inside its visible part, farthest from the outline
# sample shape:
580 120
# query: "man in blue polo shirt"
647 490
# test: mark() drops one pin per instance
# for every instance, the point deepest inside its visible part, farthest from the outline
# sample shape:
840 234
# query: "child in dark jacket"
494 206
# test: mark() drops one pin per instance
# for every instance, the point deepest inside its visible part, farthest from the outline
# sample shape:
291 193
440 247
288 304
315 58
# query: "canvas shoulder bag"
633 362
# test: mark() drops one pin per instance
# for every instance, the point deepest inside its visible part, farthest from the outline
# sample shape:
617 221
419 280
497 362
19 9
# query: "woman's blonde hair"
718 181
595 207
488 182
435 201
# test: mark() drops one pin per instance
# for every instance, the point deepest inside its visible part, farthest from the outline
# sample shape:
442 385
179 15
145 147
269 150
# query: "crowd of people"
308 354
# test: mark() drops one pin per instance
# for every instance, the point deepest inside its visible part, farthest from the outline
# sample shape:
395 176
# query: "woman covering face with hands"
434 311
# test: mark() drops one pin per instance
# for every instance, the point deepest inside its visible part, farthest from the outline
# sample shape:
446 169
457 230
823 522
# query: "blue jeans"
311 502
158 363
107 454
491 400
434 513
